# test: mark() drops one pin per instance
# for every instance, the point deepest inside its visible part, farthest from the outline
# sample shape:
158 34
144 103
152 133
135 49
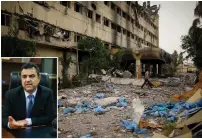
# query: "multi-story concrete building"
58 26
186 67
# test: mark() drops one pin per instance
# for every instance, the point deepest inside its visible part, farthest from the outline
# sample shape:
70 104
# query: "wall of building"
79 23
183 68
43 51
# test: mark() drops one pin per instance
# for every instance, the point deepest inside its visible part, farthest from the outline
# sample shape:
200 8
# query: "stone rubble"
108 124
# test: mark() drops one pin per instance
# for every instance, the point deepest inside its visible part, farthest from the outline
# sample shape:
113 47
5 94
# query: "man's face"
30 79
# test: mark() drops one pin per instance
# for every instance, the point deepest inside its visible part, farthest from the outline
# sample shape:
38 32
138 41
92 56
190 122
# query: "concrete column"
154 70
138 69
159 68
138 56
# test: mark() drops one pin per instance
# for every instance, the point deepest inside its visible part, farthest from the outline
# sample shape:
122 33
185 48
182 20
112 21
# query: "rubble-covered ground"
107 125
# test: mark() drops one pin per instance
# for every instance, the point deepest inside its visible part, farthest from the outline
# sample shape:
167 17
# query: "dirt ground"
107 125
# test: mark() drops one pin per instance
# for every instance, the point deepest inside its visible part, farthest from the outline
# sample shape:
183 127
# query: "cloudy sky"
175 20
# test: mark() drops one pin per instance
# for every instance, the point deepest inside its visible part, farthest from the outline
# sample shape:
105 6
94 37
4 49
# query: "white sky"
175 18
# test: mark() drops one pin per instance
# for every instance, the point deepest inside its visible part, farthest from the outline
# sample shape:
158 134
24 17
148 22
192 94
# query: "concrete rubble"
118 107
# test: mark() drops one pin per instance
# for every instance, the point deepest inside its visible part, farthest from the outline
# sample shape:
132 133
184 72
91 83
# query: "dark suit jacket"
43 111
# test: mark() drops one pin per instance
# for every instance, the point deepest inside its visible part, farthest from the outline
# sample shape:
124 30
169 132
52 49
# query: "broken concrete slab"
185 133
136 82
173 82
191 120
107 101
72 102
127 74
189 78
138 109
106 78
196 96
118 73
103 71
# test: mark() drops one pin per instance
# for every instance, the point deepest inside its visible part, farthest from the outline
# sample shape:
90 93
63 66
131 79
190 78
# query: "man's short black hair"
30 65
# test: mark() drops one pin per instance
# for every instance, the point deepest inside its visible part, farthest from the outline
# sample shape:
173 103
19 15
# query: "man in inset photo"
29 104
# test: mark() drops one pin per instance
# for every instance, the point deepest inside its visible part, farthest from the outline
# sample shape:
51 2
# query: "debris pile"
122 109
188 94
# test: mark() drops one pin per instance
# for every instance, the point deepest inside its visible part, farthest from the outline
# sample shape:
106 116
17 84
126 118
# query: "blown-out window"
5 19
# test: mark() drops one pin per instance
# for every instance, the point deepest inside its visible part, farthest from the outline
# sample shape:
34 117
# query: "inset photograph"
29 97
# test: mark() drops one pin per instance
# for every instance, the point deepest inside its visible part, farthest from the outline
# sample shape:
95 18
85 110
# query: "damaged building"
57 26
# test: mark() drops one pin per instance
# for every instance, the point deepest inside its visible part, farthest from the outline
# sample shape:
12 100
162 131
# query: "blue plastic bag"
80 108
122 102
199 103
132 126
87 104
87 136
59 103
172 119
68 110
163 113
99 95
109 86
189 105
99 109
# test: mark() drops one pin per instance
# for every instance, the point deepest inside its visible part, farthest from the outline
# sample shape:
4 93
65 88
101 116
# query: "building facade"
186 67
57 26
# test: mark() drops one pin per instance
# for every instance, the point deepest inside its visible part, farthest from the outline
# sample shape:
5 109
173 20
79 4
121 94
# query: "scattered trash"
126 74
122 102
59 104
172 119
87 92
107 101
68 110
181 113
69 136
143 116
196 118
190 93
132 126
99 109
174 82
87 136
87 103
112 107
110 86
81 108
156 83
145 124
99 95
187 89
118 128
